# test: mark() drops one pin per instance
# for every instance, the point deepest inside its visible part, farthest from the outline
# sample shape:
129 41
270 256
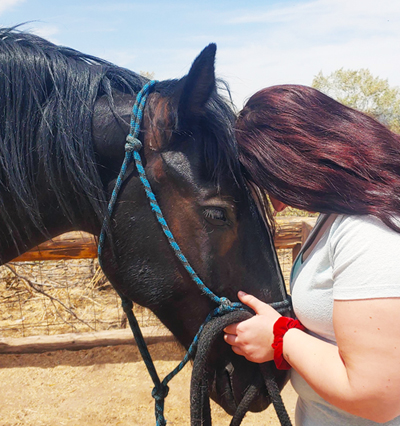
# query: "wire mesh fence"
54 297
64 296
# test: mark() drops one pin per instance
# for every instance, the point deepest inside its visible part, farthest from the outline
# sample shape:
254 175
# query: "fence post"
306 228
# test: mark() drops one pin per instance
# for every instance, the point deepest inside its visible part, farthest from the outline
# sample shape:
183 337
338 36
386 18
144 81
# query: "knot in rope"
132 144
225 302
225 306
160 392
127 304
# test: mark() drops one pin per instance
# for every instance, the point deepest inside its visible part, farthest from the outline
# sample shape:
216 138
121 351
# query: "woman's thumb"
251 301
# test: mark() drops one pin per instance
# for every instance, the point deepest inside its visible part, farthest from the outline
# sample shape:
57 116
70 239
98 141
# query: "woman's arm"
360 376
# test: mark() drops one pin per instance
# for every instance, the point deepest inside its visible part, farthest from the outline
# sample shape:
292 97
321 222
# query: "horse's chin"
231 382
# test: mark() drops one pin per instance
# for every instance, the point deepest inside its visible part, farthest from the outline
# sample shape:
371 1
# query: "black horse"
64 117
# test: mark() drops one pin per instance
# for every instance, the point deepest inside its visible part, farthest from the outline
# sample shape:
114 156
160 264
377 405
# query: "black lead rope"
202 374
273 392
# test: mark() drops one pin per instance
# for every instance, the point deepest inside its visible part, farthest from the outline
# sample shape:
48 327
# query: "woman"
308 151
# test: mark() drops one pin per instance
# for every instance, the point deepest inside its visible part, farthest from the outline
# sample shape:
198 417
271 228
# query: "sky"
259 43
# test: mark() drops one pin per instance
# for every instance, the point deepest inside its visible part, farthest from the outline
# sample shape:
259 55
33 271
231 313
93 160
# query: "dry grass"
101 386
54 297
291 211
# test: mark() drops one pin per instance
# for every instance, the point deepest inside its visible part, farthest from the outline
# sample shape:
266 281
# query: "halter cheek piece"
132 148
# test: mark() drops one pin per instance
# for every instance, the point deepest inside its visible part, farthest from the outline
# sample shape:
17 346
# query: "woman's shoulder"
367 223
366 231
364 255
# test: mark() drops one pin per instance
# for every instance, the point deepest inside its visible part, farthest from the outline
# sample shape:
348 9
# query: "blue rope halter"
132 148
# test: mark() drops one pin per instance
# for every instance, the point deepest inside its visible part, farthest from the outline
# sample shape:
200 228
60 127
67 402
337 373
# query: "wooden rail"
79 341
72 245
290 234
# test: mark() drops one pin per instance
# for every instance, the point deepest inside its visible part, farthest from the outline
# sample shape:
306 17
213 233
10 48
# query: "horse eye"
216 216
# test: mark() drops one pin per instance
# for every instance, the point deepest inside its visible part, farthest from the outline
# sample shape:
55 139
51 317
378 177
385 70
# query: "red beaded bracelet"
281 326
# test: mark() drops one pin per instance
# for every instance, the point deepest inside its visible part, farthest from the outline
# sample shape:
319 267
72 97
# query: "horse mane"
46 106
47 101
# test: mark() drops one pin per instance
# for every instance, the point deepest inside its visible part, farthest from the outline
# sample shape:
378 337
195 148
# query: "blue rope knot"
132 144
225 302
160 392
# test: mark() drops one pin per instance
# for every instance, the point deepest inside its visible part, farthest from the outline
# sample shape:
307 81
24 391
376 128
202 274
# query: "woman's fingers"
231 339
253 337
238 351
252 302
231 328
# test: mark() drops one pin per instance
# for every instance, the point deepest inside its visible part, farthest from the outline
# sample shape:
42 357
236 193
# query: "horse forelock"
217 127
221 151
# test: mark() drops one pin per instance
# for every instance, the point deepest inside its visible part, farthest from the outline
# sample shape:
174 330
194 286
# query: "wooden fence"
290 234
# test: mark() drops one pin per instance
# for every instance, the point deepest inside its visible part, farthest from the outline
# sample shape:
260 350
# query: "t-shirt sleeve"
365 258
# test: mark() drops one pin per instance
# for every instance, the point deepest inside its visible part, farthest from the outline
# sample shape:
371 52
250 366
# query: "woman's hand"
253 338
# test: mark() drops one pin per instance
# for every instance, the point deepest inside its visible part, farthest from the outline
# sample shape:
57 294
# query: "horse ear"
198 84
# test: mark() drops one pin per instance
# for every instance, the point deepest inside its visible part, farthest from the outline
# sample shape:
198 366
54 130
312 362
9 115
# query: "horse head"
190 158
63 123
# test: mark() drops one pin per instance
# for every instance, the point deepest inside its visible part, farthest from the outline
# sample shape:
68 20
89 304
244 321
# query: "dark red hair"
313 153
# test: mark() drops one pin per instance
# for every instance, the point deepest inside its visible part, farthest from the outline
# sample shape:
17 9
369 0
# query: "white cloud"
292 44
122 58
259 43
46 31
340 11
5 5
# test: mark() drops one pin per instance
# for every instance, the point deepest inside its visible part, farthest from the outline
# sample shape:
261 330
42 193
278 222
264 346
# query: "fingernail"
242 293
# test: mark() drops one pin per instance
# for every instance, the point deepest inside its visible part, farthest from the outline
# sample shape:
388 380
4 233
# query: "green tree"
147 74
364 92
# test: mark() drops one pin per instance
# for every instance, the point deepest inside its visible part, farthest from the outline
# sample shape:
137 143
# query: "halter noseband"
132 148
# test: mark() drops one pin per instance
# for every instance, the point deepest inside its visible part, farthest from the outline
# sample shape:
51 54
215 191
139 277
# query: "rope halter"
132 147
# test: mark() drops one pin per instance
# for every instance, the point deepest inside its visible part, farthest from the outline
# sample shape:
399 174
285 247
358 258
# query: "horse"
64 118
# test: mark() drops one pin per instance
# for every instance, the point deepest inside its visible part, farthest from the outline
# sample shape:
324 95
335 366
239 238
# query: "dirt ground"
102 386
97 387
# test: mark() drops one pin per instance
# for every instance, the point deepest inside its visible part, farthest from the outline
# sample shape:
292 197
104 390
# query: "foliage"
291 211
364 92
147 74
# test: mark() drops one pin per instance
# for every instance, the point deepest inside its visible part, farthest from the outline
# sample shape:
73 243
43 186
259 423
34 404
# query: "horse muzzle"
242 379
229 379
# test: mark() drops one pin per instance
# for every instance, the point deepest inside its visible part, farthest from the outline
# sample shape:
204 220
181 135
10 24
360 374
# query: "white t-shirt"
358 257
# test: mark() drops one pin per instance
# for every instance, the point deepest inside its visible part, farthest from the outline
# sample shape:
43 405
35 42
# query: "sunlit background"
260 43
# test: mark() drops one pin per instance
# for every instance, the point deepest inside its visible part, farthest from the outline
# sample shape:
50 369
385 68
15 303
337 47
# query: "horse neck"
19 233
